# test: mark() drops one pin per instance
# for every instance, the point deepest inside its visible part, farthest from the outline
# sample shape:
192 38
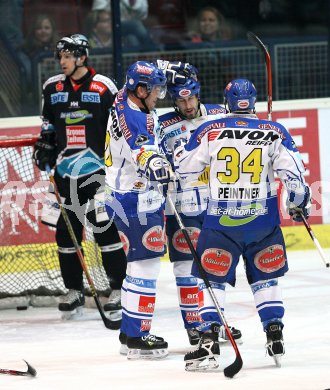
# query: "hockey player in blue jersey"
242 217
188 114
135 167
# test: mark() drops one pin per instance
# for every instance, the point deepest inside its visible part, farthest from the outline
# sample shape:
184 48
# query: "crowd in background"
30 28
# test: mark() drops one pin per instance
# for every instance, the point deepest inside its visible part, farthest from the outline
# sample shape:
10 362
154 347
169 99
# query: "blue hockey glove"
298 204
45 151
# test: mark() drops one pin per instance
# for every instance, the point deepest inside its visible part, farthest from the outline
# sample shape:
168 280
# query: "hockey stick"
235 367
315 240
30 372
256 41
107 322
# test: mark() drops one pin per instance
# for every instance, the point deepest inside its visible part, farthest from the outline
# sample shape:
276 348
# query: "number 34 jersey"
244 153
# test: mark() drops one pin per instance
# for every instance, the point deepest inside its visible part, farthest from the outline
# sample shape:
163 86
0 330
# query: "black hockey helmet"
77 44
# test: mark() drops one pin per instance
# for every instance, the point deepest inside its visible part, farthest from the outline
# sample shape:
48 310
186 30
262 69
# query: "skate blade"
277 360
123 349
237 341
208 364
72 315
150 354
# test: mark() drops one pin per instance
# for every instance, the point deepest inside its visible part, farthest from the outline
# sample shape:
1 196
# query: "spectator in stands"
215 69
132 12
211 27
99 29
42 36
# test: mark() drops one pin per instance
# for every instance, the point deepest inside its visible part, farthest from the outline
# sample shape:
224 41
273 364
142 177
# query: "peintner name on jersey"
242 193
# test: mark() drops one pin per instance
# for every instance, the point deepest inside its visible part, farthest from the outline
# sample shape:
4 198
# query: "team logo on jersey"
124 240
216 261
141 139
90 97
97 87
153 239
146 304
238 216
59 86
74 105
241 123
243 104
75 137
270 259
180 243
59 97
188 295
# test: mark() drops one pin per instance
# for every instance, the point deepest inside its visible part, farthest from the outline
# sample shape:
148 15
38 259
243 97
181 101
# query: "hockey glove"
45 151
298 204
176 72
158 170
178 148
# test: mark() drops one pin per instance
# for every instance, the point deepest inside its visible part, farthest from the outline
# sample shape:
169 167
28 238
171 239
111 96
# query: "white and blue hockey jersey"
173 127
132 137
243 153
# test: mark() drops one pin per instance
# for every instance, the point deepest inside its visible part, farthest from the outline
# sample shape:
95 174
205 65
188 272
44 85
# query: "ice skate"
71 305
275 342
236 333
204 357
123 343
113 306
148 347
194 336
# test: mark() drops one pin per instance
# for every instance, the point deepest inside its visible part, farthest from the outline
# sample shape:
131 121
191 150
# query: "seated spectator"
135 34
42 36
99 29
211 27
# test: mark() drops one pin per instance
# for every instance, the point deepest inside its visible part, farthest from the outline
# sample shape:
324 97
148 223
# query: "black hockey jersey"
79 114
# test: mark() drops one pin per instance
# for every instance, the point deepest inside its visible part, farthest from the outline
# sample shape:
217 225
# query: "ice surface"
84 354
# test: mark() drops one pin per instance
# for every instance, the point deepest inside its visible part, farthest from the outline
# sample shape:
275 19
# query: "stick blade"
256 41
31 371
234 368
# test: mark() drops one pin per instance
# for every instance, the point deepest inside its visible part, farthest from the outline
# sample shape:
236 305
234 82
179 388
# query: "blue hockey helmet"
77 44
190 87
240 95
147 74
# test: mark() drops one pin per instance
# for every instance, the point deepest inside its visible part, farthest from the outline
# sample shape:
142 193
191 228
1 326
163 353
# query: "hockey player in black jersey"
75 114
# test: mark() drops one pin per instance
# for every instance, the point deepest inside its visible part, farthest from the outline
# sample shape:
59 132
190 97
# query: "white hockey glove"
158 169
176 72
299 204
178 148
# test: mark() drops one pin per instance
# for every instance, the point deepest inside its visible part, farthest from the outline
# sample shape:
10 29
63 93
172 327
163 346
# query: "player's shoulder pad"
203 130
264 124
106 81
170 116
214 109
54 79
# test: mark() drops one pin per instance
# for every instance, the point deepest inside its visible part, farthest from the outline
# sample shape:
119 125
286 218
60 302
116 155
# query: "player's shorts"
177 245
263 252
142 239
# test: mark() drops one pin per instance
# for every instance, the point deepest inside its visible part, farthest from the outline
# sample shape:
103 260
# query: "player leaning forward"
75 114
242 216
134 168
